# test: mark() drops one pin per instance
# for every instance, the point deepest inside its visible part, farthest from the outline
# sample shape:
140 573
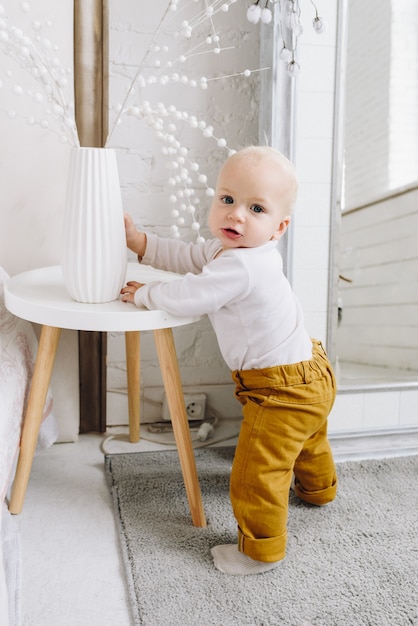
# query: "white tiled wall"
313 158
374 411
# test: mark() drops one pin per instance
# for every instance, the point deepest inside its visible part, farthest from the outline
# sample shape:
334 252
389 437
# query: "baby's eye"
256 208
227 199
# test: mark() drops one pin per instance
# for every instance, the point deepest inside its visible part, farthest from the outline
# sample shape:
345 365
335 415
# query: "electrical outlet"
195 404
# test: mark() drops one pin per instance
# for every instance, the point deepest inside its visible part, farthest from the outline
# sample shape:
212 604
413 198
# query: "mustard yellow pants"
284 431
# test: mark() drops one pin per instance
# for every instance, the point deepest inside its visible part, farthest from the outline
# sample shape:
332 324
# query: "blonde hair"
287 168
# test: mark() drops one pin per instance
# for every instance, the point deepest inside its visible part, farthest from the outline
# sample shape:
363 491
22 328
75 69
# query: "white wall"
368 100
33 161
315 95
381 125
33 173
380 306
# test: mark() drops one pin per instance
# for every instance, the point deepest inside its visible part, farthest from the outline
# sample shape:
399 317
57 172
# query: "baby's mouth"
231 233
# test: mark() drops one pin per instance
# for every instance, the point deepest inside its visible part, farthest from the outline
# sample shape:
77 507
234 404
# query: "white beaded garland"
285 55
17 33
39 55
266 16
319 25
293 68
254 13
290 27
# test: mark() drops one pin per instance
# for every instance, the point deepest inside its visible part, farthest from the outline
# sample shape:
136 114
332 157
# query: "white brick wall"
231 106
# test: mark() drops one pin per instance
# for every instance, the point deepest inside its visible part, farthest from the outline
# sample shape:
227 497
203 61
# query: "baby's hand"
128 292
135 239
130 229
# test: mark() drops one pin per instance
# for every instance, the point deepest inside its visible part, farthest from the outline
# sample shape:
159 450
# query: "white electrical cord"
205 431
203 437
195 442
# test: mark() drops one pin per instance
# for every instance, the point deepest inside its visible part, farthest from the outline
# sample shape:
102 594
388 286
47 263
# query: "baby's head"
275 171
254 197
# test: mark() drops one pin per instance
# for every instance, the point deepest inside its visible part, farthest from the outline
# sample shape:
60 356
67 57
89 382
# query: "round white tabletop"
40 296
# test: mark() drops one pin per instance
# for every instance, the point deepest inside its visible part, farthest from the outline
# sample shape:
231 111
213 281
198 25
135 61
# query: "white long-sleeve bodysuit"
257 319
282 378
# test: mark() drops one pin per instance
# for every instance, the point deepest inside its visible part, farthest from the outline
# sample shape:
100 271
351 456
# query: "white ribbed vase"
94 257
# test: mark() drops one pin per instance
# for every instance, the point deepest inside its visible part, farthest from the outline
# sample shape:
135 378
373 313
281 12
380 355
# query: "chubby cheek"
261 234
213 220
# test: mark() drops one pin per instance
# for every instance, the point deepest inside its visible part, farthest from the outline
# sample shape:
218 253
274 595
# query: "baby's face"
247 208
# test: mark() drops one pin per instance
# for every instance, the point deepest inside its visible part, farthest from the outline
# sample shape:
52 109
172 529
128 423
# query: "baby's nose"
236 213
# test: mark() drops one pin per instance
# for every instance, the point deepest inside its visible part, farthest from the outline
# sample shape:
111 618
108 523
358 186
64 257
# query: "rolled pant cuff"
266 550
319 498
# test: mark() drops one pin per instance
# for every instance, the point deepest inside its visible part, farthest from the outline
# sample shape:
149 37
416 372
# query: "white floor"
72 572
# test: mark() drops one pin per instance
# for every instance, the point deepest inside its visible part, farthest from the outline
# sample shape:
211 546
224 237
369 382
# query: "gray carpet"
352 563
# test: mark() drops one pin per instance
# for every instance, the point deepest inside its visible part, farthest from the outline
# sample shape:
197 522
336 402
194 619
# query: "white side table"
40 296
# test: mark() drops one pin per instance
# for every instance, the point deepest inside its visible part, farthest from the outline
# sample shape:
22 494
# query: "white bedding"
18 345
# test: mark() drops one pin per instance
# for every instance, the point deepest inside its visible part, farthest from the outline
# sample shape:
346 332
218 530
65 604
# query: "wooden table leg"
48 344
174 391
133 366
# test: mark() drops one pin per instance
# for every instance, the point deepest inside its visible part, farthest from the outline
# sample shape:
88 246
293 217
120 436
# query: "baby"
283 378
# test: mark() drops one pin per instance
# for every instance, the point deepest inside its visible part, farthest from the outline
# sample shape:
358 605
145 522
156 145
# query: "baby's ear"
282 228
